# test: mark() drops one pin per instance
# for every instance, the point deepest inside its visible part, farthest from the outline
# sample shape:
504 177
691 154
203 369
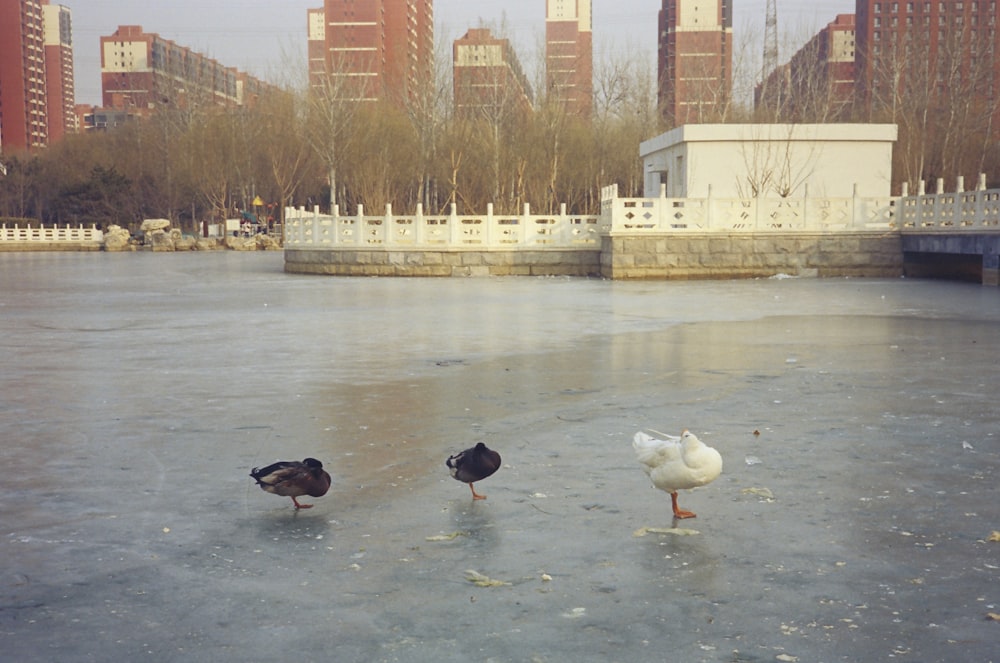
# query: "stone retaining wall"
19 247
750 255
646 256
429 262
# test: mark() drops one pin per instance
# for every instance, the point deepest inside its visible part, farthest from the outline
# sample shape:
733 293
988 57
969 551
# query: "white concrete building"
769 160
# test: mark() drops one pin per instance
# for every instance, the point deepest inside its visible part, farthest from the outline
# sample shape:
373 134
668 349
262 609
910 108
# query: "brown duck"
474 464
291 478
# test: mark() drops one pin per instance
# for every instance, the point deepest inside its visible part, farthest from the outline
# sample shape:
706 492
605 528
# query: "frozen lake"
138 390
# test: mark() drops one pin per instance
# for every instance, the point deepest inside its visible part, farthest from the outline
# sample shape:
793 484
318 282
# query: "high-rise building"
36 74
817 84
913 51
142 72
59 71
379 48
316 45
488 77
695 60
569 58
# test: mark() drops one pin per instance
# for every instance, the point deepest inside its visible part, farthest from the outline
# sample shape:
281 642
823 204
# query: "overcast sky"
267 37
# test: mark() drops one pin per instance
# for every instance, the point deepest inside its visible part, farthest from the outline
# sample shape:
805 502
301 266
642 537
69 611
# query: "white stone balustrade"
31 233
490 231
728 215
956 212
618 215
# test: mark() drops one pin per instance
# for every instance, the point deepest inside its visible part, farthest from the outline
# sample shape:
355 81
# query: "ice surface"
139 389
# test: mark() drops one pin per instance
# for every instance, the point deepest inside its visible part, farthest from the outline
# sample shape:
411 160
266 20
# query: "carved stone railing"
959 211
490 231
50 234
729 215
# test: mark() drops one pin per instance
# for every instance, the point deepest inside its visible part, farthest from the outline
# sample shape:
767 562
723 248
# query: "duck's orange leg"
301 506
678 512
475 495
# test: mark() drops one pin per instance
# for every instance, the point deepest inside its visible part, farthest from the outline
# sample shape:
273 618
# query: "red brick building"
316 45
379 48
926 49
569 58
59 83
817 83
694 60
487 76
36 74
143 72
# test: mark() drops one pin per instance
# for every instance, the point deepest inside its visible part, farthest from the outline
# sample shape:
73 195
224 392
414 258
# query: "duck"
291 478
677 463
474 464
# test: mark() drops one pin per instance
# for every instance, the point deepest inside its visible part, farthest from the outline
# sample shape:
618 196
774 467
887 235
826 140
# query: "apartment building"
377 48
694 60
927 49
142 72
36 74
817 83
488 79
569 66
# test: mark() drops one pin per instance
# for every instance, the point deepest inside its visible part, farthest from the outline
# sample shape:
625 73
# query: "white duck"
677 463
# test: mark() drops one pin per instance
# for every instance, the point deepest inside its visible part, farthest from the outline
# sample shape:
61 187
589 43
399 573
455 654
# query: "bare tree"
284 144
334 100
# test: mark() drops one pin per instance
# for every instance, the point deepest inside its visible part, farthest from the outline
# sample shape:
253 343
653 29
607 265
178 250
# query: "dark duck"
291 478
474 464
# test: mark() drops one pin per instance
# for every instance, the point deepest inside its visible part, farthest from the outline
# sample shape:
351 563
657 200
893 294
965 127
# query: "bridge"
951 235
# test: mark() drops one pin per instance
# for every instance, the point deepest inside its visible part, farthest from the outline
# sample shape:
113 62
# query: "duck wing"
276 473
653 452
474 464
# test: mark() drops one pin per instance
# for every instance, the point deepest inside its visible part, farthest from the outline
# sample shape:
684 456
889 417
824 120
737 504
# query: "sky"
266 38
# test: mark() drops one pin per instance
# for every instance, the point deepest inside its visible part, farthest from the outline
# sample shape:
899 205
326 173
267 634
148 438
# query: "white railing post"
490 221
453 231
805 206
388 226
526 224
359 239
564 232
856 213
418 230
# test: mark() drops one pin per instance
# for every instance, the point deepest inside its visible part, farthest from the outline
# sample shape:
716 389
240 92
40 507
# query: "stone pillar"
991 269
